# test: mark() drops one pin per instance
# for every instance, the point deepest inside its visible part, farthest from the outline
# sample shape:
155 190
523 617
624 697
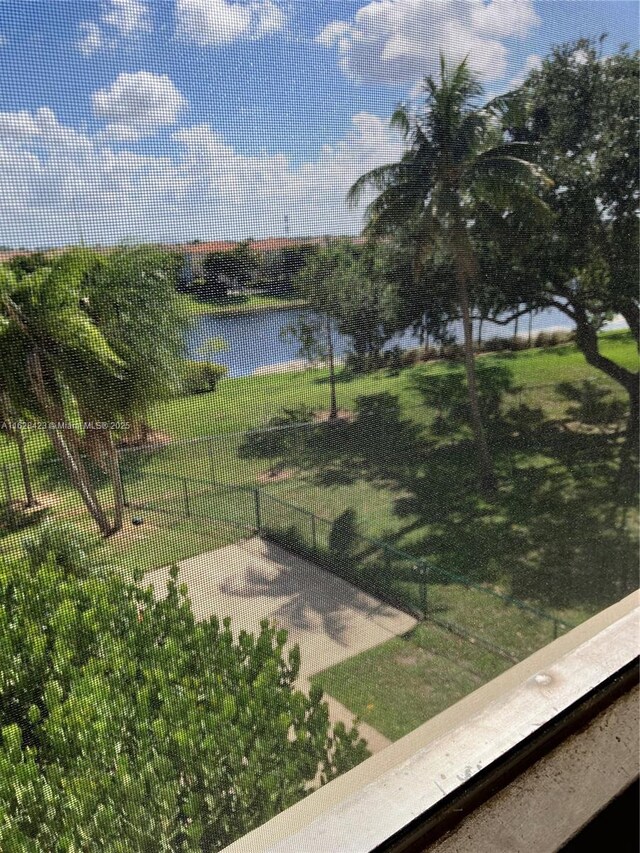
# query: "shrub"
201 377
275 438
496 344
127 725
553 338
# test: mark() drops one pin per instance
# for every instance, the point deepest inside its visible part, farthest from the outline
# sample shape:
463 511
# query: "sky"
175 120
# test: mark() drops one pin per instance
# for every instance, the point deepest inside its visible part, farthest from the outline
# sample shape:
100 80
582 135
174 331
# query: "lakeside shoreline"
298 365
210 309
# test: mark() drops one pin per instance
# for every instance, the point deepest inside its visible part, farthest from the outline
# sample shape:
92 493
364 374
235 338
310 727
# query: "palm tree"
61 360
459 169
9 416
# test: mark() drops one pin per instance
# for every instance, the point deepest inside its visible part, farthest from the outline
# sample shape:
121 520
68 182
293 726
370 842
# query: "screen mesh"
318 387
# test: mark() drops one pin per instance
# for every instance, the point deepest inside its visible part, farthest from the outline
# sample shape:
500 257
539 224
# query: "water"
254 341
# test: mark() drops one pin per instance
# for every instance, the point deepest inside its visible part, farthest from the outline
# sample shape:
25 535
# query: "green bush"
200 377
553 338
125 725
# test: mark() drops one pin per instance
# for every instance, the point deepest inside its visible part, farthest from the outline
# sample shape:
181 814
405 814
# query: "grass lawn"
232 305
397 686
560 533
406 466
402 683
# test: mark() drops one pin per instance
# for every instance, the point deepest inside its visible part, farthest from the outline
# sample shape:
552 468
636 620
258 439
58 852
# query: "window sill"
445 768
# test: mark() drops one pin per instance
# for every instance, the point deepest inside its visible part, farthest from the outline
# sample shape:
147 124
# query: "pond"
254 341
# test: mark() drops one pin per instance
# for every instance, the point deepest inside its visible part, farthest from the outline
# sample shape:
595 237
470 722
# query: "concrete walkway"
329 619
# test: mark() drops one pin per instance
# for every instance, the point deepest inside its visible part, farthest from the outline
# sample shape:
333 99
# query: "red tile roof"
267 244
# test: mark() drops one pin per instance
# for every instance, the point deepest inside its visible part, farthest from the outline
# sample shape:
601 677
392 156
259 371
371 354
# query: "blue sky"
125 120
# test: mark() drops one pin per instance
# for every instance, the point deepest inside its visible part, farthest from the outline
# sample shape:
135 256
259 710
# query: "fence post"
422 571
387 562
125 500
7 488
210 454
185 487
256 498
313 534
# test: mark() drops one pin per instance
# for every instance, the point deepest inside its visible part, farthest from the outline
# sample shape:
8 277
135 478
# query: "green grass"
560 534
232 305
402 683
397 686
409 480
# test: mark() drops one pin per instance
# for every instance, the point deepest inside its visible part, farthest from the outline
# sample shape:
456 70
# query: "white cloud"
532 62
91 38
399 41
120 18
216 22
127 16
59 185
137 105
268 18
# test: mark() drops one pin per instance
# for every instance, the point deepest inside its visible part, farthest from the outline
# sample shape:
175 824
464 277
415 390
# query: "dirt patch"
44 500
276 474
152 439
344 416
406 660
133 533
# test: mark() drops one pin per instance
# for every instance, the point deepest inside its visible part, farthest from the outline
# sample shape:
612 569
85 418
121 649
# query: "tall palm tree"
459 168
61 358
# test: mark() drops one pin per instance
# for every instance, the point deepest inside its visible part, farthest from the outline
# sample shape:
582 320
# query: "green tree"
128 726
278 269
57 352
459 167
357 287
130 295
581 109
235 268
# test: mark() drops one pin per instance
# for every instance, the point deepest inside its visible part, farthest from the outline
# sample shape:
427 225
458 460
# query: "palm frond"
505 196
520 150
401 120
377 179
515 169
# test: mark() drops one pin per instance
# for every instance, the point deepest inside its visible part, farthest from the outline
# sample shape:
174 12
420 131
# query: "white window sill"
377 800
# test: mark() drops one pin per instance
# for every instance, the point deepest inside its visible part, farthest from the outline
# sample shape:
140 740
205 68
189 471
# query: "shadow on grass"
561 530
15 520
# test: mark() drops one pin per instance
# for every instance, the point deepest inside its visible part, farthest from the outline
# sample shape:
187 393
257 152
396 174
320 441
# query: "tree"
315 336
234 268
58 353
131 297
127 725
279 268
459 167
130 294
357 287
581 109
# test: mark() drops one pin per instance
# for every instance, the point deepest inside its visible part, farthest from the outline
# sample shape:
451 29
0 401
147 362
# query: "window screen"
318 387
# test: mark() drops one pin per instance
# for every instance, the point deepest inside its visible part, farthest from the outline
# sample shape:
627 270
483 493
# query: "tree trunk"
24 466
115 475
333 410
6 411
631 313
465 266
67 451
480 333
587 341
